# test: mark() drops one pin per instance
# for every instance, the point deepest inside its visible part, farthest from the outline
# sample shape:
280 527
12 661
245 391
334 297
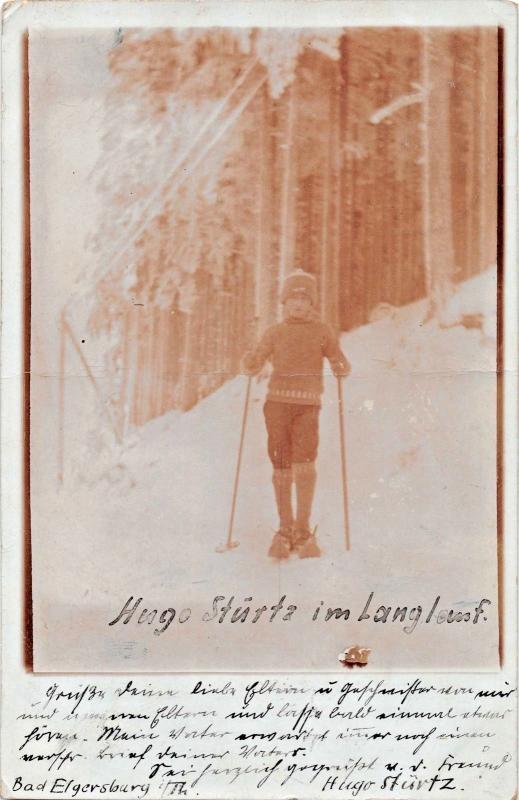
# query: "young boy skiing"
296 347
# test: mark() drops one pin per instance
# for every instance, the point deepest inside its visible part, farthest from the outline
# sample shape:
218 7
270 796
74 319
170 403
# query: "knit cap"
299 283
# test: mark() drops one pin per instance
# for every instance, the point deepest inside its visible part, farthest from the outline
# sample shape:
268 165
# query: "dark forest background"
367 157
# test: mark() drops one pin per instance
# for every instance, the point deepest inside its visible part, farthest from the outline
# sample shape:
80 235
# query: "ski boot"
281 544
305 543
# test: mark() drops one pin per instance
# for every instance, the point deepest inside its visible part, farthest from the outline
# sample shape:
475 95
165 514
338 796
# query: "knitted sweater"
296 348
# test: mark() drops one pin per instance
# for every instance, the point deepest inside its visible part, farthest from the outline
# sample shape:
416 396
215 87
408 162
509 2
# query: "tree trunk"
286 244
437 201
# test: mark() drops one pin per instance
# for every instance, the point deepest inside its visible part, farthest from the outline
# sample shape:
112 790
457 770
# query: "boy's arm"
253 360
339 363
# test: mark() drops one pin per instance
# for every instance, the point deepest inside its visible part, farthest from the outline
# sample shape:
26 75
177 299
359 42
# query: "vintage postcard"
259 269
264 335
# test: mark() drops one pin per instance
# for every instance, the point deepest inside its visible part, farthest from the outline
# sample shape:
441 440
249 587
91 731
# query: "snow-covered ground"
420 418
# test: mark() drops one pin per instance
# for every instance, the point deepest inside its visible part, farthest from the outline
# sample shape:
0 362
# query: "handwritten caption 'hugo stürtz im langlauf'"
228 610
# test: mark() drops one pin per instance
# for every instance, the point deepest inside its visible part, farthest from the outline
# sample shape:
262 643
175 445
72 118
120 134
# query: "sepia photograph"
265 337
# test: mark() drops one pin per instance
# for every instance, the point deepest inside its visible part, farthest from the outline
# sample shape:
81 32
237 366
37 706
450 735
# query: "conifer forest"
368 157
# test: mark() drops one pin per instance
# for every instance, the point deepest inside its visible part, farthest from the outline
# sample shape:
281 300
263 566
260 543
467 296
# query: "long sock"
305 476
282 480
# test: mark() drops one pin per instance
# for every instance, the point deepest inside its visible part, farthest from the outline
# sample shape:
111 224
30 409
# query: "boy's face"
298 306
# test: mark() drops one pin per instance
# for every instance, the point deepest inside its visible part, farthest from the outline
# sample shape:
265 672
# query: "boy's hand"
259 372
342 370
248 365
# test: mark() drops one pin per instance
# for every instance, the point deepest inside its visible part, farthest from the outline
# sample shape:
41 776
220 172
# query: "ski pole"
343 466
230 544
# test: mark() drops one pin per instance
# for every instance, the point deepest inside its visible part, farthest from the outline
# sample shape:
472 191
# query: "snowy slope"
420 430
